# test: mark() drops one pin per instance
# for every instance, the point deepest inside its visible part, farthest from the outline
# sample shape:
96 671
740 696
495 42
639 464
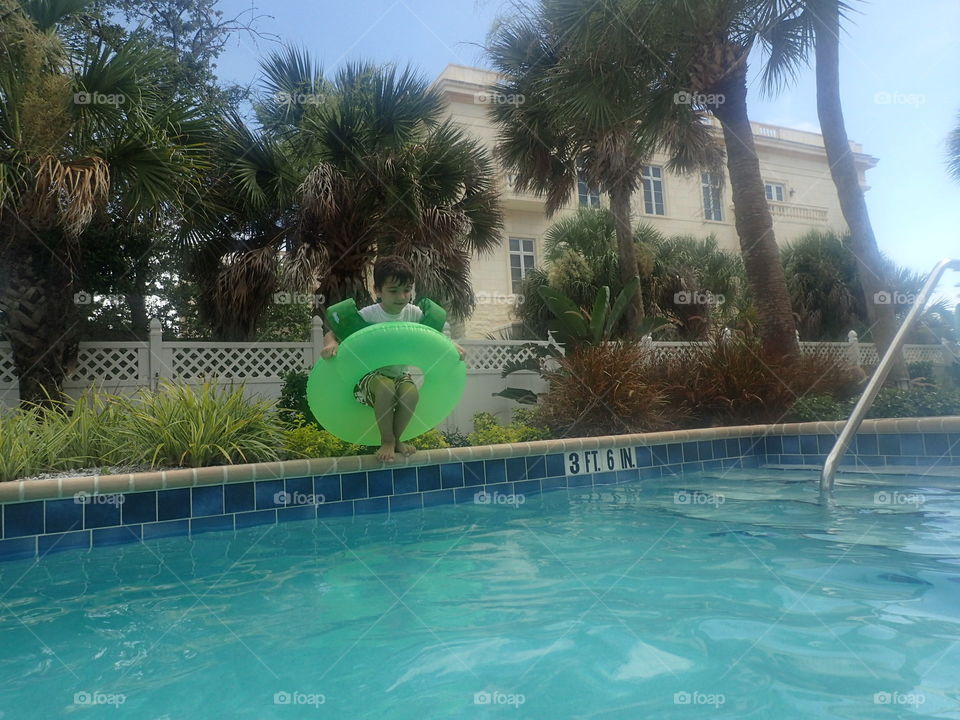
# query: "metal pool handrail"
883 369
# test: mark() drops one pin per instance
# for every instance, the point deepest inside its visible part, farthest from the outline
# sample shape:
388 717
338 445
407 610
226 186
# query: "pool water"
732 595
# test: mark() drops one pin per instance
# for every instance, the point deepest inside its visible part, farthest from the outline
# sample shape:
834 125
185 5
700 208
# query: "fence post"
316 340
853 349
155 356
646 345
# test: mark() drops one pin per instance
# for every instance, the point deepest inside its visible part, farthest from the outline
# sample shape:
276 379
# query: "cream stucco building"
794 164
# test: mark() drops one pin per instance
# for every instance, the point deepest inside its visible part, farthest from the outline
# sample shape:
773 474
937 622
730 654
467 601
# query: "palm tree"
81 135
343 170
577 110
953 151
817 22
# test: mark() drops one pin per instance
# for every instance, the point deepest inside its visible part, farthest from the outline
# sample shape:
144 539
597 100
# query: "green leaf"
625 296
521 395
601 308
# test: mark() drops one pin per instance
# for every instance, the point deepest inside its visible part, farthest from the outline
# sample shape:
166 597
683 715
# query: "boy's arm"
330 345
463 353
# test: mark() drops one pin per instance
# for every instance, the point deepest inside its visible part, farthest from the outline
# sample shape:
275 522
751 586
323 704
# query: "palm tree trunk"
844 172
758 245
620 209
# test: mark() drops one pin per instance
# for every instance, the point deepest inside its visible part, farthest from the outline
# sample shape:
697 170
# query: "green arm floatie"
344 318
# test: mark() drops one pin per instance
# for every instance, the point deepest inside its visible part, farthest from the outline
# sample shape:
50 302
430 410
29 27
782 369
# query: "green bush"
917 401
455 439
293 399
304 440
487 431
818 407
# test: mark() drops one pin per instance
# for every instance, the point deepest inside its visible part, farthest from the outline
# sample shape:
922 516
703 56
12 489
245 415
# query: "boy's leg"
407 398
384 401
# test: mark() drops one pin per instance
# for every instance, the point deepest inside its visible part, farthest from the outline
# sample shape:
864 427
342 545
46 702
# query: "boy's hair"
391 266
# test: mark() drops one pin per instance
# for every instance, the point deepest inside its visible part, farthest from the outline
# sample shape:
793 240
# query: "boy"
389 390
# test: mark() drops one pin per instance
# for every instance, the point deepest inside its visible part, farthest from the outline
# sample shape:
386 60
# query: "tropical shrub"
293 399
818 407
487 431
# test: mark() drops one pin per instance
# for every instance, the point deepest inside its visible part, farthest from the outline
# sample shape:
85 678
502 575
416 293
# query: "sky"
899 62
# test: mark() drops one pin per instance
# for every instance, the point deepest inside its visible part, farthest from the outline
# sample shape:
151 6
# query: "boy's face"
394 295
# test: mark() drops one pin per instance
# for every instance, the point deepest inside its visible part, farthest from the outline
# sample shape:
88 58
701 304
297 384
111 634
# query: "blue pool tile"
556 483
1 521
791 444
580 481
211 524
773 459
63 541
644 456
438 497
866 444
705 449
718 448
101 514
173 504
752 446
691 467
773 445
516 469
138 508
650 473
169 528
555 467
825 443
935 444
501 488
207 500
354 485
536 467
791 459
605 478
451 475
238 497
888 444
64 515
731 447
674 453
809 446
691 451
335 509
269 494
17 548
380 482
404 480
428 478
473 473
327 488
406 502
21 519
627 475
257 517
911 444
527 487
369 507
467 495
496 470
116 535
953 440
299 491
712 465
659 454
298 512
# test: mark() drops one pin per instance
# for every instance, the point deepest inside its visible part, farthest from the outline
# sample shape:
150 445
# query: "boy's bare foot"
406 448
386 453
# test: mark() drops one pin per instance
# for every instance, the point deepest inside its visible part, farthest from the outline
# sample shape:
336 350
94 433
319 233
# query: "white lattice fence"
489 356
237 362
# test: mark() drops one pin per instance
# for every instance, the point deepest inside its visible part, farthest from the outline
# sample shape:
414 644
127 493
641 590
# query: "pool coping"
14 491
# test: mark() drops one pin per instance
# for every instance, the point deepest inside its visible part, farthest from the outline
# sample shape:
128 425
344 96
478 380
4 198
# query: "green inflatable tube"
331 382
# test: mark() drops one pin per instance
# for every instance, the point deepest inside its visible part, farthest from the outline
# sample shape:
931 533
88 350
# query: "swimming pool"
725 594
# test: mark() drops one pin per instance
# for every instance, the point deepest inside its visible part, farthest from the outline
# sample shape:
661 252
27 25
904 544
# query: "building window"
712 208
775 191
589 196
652 190
521 261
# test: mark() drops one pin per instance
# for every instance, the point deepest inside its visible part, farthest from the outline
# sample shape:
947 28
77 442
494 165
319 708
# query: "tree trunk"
844 172
41 318
758 245
620 208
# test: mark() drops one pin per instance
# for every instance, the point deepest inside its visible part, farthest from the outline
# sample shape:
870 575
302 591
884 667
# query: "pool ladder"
883 369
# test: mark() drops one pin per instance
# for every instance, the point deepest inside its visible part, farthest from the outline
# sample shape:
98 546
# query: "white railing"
792 211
